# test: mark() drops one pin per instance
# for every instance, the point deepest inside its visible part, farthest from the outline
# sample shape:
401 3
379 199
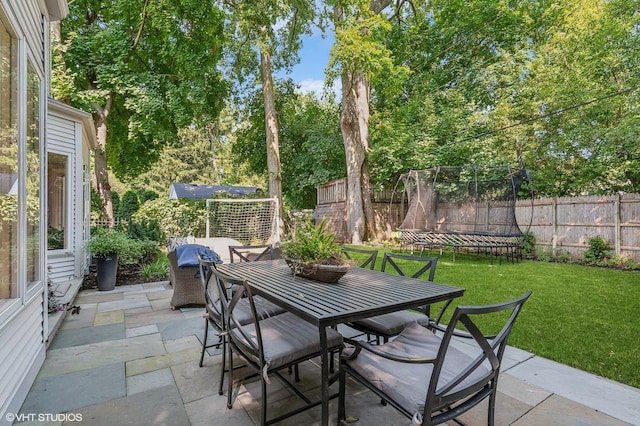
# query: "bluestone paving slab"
84 298
164 284
157 304
147 381
124 304
143 365
135 319
212 411
559 411
171 330
508 410
196 382
521 390
111 317
82 319
76 358
84 336
156 407
141 331
142 310
193 313
182 343
69 392
618 400
120 289
160 294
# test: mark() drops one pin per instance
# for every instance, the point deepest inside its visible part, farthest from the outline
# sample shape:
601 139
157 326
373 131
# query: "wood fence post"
618 231
554 224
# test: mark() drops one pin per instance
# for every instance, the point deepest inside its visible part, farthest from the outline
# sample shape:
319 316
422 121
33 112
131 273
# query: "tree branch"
136 40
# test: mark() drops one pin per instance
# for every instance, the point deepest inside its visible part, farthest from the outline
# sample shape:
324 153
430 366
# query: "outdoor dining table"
361 293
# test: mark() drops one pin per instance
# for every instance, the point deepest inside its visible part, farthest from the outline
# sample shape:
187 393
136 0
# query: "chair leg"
341 394
204 340
263 402
230 384
492 405
223 370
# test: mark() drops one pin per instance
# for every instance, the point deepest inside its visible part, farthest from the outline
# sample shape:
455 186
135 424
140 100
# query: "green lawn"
582 316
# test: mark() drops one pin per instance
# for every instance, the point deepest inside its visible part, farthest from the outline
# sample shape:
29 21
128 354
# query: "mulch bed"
126 276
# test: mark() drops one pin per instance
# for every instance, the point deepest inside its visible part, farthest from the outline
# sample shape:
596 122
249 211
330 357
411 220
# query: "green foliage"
147 252
127 206
115 199
311 243
174 217
145 229
200 157
147 195
489 79
528 245
55 238
105 241
311 149
96 204
158 269
155 65
598 252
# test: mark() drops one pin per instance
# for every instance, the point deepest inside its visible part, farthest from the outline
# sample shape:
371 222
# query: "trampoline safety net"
462 206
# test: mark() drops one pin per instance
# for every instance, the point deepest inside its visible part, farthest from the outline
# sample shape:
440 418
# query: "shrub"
528 245
127 206
598 251
175 217
157 269
148 195
145 229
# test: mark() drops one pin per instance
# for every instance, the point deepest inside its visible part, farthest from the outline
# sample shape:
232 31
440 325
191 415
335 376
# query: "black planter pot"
106 270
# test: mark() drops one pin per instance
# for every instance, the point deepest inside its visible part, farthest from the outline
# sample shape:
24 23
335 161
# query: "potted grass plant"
313 252
105 245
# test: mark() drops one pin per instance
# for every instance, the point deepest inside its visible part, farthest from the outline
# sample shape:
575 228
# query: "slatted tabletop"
361 293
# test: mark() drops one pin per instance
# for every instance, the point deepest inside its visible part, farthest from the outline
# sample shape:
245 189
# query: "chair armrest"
377 350
458 333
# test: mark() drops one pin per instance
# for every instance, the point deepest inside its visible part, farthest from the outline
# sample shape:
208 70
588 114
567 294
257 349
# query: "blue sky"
314 57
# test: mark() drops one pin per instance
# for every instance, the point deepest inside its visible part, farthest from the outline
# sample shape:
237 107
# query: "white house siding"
22 351
29 15
71 132
23 328
61 139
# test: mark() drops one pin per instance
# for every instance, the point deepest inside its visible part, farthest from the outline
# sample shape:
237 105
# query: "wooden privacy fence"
567 223
563 223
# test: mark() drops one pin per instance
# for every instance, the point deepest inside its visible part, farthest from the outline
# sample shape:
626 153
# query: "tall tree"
360 55
311 145
273 29
145 69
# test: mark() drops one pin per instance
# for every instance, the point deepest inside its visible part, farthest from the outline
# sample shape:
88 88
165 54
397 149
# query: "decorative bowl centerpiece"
312 252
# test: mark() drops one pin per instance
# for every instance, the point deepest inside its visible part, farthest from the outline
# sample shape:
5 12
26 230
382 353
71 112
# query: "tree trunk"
354 124
101 182
271 122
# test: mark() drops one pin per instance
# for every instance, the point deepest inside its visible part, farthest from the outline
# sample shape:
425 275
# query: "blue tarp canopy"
202 192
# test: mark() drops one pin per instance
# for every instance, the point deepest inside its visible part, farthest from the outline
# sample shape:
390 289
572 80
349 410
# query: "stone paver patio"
128 359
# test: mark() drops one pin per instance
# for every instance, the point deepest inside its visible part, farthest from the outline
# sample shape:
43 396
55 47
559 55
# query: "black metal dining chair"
267 345
251 253
214 317
388 325
424 376
364 257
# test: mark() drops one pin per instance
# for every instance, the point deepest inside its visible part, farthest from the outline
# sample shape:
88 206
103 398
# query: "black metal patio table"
361 293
